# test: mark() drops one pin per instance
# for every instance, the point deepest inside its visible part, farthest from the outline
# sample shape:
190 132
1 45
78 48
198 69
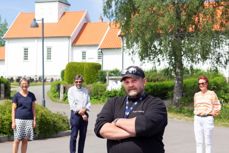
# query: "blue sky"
9 9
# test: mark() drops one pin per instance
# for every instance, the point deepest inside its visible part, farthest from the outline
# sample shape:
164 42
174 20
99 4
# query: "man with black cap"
134 123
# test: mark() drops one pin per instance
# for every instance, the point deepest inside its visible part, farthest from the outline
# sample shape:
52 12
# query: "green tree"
176 31
3 29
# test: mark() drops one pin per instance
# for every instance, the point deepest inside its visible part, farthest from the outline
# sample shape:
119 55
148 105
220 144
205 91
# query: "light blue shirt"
78 99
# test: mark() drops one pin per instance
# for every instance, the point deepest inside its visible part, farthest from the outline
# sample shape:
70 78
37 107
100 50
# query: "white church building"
69 36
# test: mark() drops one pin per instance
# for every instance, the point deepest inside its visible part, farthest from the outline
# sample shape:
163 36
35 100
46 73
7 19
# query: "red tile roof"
112 39
91 34
96 33
2 53
65 27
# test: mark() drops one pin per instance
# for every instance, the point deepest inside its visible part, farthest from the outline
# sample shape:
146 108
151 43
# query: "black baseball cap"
132 72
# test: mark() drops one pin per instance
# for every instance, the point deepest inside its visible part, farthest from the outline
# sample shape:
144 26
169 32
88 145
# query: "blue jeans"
78 125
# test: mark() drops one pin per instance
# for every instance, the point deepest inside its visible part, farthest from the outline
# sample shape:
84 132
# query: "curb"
6 138
59 134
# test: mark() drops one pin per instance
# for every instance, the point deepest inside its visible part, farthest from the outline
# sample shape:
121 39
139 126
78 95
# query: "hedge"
5 119
96 90
217 84
55 89
48 123
6 87
162 89
88 70
62 75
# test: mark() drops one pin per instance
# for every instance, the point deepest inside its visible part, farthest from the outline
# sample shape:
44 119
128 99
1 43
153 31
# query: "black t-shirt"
24 105
151 120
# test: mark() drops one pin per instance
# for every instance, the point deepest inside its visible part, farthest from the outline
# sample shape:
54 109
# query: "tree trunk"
177 57
178 87
178 71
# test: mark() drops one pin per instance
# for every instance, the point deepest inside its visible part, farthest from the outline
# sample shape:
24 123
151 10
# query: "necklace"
128 109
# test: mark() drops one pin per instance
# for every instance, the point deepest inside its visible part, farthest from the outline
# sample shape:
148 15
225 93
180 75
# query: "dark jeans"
78 125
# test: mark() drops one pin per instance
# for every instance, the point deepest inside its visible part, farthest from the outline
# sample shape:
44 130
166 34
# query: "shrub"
164 89
217 84
159 75
113 93
54 92
103 95
114 72
71 70
5 118
190 87
160 89
96 90
221 87
55 89
88 70
102 76
91 72
62 75
224 117
154 76
48 123
6 83
187 111
99 94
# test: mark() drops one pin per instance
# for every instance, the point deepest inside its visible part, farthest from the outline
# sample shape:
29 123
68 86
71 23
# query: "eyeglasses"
78 81
202 83
24 86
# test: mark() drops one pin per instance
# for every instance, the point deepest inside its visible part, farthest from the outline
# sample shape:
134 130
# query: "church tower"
50 10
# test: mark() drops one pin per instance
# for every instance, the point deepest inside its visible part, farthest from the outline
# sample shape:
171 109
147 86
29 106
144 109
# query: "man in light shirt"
79 102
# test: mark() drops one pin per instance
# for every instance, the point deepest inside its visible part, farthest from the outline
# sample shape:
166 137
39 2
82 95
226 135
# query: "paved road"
178 138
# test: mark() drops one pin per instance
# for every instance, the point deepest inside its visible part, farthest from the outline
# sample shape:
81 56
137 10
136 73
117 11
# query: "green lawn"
187 114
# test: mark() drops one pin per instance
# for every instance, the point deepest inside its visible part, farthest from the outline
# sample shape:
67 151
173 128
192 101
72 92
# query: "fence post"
107 77
61 91
2 91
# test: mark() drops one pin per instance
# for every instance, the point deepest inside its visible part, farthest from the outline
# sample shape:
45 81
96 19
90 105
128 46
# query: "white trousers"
203 128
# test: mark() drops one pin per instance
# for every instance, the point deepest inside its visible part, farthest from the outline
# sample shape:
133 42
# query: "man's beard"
132 93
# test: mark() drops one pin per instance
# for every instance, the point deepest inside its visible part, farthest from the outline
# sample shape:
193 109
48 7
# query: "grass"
186 114
53 99
179 116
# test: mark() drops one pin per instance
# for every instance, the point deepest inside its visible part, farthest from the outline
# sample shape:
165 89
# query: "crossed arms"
152 121
119 129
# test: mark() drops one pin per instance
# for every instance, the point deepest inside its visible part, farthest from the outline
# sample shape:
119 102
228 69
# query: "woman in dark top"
23 116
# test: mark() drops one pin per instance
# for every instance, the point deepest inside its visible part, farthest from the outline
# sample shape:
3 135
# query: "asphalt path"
178 137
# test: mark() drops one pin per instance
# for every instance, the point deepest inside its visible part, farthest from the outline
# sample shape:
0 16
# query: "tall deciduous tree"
176 31
3 29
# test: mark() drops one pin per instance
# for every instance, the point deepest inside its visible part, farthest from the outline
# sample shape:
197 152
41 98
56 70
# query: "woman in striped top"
206 106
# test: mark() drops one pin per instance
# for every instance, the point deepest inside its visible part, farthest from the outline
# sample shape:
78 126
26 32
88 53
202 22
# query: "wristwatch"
115 121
